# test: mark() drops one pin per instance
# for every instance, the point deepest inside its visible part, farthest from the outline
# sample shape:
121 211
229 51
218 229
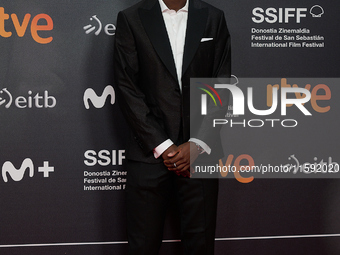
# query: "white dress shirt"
176 26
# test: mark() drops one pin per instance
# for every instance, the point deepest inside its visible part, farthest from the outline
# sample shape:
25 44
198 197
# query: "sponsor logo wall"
62 150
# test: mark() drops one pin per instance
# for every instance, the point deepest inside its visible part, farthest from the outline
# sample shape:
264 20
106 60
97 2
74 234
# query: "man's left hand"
180 160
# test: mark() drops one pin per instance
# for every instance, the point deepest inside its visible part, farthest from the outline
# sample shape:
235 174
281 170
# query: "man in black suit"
159 46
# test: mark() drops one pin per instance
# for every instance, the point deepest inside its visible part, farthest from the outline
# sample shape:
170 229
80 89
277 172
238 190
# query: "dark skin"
175 4
182 155
179 154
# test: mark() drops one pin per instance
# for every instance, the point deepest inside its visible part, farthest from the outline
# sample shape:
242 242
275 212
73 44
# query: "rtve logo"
28 101
44 20
98 101
18 174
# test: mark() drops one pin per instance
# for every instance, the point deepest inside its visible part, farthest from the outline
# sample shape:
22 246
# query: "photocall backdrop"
63 137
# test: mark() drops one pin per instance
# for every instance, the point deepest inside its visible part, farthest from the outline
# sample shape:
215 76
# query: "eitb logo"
29 100
97 27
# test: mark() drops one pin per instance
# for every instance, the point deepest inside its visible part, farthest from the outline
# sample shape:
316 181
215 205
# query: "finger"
185 174
179 163
192 171
176 158
173 160
168 163
182 168
180 158
171 163
176 164
177 168
173 153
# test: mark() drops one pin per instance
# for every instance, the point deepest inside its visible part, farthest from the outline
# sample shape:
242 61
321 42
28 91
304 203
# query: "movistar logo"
98 101
17 174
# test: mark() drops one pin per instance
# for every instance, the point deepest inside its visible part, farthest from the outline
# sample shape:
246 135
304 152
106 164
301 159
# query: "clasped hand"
179 158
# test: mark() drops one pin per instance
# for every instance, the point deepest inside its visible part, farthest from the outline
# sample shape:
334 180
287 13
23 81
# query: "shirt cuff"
204 146
158 151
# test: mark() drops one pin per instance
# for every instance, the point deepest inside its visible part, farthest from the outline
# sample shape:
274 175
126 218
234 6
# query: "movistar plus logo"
17 174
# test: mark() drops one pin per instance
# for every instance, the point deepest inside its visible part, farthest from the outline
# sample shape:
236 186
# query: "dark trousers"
149 190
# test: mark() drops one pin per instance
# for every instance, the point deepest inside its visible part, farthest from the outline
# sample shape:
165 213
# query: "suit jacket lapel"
153 23
197 19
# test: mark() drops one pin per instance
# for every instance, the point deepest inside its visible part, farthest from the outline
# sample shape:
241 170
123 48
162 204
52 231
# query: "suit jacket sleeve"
222 69
222 61
147 131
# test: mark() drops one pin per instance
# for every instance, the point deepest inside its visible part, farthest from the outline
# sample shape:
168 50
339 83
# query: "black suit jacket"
146 79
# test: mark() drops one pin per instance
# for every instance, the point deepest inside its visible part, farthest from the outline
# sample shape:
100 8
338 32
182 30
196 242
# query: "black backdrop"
63 136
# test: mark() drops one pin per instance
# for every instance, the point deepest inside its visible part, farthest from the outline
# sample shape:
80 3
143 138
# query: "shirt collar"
165 8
